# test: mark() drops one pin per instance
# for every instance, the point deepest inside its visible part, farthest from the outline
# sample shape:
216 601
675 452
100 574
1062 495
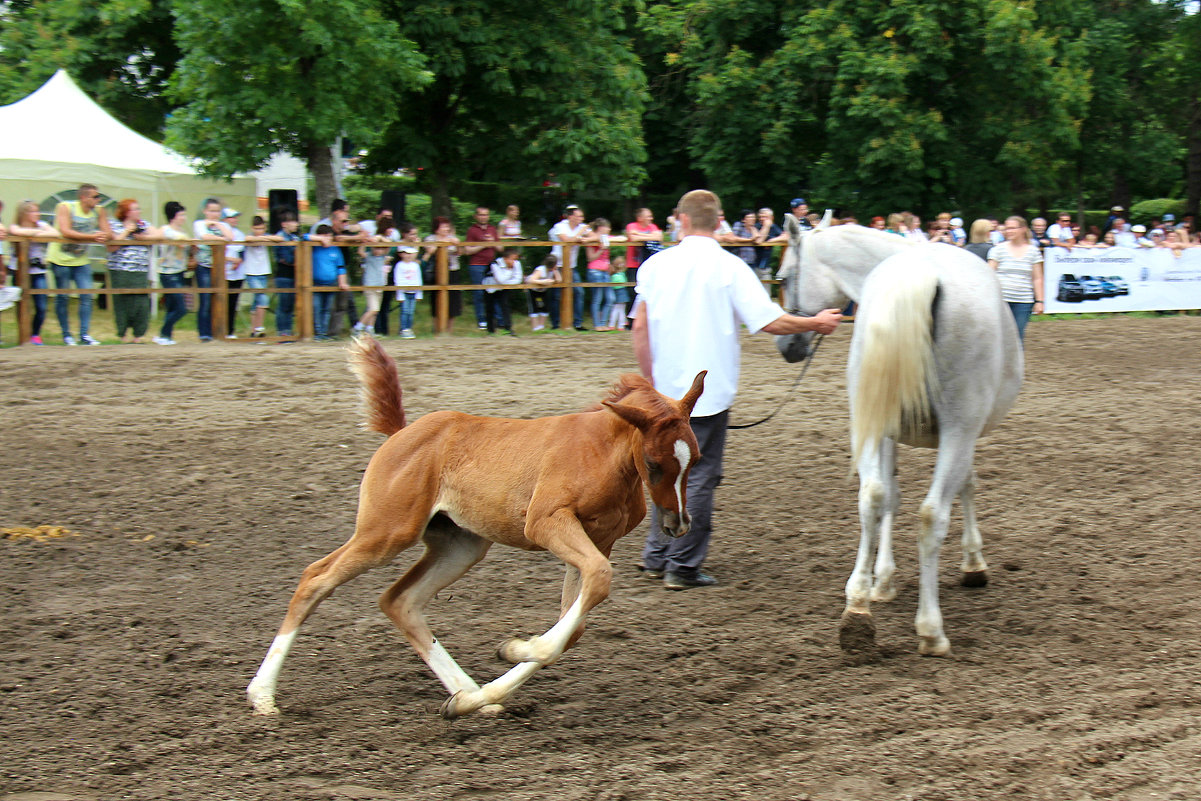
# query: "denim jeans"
285 305
323 307
176 306
477 273
577 299
407 307
82 276
204 303
1021 316
602 298
38 281
261 300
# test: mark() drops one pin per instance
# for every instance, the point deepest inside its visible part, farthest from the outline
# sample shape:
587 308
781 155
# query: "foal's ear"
698 386
631 414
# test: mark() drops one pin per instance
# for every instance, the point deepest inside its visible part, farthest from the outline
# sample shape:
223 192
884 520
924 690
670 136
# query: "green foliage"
121 52
1147 210
293 75
520 91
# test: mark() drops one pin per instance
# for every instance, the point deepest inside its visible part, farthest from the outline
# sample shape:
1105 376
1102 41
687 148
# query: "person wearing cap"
407 273
799 209
958 235
1141 240
209 228
1115 212
235 271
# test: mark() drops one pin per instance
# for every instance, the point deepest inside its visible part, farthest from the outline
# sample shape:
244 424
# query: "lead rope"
801 375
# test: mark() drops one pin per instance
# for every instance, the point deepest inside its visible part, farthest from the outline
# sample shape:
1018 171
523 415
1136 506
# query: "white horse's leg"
975 569
449 554
883 589
951 472
857 632
563 536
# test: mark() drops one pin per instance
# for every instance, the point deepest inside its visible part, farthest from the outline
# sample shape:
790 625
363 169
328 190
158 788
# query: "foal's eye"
654 470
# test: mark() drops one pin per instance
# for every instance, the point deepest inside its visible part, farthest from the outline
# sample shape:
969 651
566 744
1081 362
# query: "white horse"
935 362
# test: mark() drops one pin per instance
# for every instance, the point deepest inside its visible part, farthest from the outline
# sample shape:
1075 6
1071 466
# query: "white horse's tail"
897 371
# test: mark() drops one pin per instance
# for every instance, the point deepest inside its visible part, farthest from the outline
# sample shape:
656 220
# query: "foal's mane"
637 391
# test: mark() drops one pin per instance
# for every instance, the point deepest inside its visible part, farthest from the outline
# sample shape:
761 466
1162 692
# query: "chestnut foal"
571 485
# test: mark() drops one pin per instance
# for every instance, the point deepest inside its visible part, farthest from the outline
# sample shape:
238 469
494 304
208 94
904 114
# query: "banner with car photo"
1121 279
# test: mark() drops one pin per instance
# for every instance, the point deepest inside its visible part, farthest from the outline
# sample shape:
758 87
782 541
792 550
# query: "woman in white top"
510 225
1019 266
29 223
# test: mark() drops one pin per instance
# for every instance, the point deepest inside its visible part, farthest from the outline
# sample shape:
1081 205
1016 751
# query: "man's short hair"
339 204
702 207
83 187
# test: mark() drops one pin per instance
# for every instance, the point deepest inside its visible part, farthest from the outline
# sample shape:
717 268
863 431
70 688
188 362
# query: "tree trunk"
1193 160
321 165
440 205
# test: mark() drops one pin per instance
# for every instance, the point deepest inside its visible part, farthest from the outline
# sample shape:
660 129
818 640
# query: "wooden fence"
304 289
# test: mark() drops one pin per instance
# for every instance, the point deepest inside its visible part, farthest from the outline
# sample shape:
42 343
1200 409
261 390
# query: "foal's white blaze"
683 454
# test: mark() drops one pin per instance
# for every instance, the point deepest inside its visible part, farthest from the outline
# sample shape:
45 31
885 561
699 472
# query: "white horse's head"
809 286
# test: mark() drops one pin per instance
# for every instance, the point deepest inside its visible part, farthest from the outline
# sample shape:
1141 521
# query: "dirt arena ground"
195 483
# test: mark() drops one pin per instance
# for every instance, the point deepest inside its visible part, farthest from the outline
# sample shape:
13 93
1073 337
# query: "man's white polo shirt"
696 295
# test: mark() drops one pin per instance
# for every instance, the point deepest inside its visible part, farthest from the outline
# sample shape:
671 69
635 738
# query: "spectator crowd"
390 259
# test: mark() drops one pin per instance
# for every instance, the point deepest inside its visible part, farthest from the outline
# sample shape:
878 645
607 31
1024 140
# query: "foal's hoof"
513 650
857 633
975 578
462 703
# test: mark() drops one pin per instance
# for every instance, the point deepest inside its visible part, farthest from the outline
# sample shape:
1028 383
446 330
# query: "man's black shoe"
682 581
580 328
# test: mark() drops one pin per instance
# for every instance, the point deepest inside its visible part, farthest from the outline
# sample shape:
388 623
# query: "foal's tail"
380 388
897 371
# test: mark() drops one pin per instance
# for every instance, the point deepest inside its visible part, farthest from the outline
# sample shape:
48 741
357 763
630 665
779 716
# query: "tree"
874 104
121 52
268 75
521 90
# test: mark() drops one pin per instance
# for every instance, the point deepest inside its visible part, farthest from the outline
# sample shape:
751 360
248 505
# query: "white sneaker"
163 341
69 340
483 326
407 334
88 339
231 336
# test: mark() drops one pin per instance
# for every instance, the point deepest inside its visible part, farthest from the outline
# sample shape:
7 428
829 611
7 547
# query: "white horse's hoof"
975 578
934 646
857 633
263 705
883 593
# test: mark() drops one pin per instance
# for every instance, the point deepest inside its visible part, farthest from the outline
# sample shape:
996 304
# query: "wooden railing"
304 288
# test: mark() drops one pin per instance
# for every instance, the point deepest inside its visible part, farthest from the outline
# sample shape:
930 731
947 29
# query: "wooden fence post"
218 304
567 296
304 289
442 301
25 305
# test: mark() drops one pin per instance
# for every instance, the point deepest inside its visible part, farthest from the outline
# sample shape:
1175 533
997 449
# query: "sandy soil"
193 484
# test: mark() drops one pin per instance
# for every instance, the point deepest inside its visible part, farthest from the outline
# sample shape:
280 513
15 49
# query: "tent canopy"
58 137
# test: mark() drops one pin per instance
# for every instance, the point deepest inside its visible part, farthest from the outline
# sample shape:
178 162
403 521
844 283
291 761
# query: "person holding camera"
129 268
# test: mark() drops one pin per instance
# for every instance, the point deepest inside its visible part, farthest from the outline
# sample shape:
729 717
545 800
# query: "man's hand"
824 322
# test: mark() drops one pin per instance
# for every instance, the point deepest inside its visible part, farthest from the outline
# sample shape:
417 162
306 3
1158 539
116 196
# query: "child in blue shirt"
329 269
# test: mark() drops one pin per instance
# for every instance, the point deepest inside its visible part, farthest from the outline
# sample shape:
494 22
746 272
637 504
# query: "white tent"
58 137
